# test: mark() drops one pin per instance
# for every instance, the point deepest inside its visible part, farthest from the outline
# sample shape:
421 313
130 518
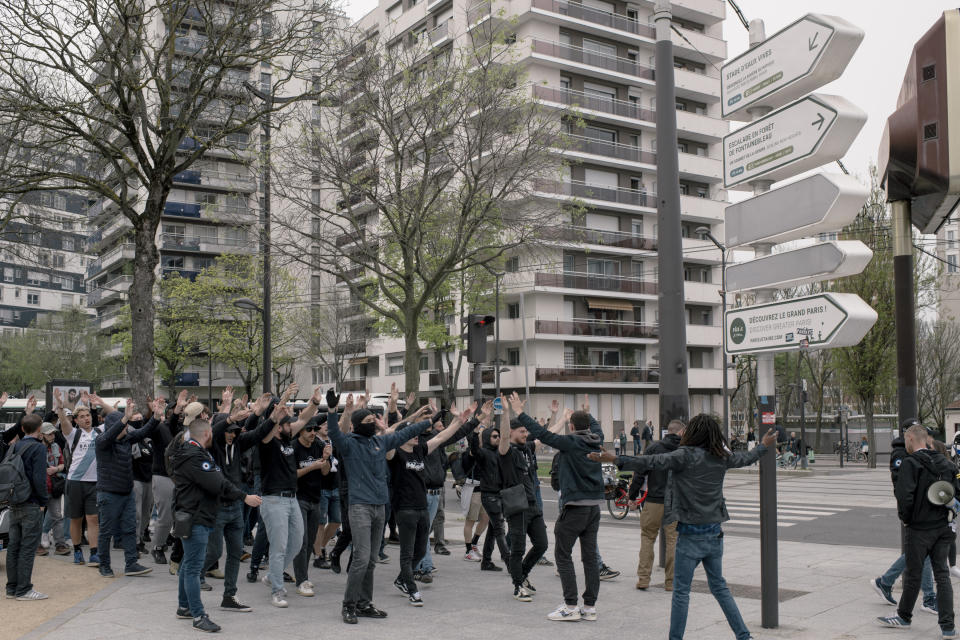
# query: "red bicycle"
617 493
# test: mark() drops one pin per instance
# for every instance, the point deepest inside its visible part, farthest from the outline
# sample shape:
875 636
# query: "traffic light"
477 337
919 158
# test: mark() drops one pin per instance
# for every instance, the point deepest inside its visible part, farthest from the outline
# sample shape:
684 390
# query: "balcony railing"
598 374
487 376
620 195
611 149
168 272
356 384
596 16
592 58
178 242
598 328
182 209
109 258
619 239
623 108
439 32
596 282
115 286
349 238
478 11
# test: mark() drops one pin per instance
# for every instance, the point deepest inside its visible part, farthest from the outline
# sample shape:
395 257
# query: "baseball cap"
47 427
191 412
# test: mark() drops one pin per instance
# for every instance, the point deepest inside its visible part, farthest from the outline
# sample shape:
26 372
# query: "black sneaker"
205 586
204 623
248 540
287 577
421 576
393 539
141 548
230 603
415 599
489 566
146 535
106 572
253 575
335 563
322 563
383 558
349 614
440 549
398 583
544 561
606 573
158 556
370 611
184 614
136 569
529 587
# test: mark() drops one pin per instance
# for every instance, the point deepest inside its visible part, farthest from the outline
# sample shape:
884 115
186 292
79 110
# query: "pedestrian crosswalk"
746 512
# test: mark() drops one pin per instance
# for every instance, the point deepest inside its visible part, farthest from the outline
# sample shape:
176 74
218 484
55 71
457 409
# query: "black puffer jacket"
114 457
919 470
656 480
199 484
486 460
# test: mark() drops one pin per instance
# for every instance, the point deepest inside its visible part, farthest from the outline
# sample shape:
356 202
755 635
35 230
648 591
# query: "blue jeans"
118 521
433 502
26 522
704 545
229 528
284 525
926 580
330 506
191 566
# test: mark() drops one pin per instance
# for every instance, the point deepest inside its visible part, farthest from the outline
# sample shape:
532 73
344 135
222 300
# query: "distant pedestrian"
647 434
617 445
696 499
623 441
26 517
635 435
751 439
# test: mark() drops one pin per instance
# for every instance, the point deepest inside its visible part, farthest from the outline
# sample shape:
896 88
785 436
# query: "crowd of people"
204 486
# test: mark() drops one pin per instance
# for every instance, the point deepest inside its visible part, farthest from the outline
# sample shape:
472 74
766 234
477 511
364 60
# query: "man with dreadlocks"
695 500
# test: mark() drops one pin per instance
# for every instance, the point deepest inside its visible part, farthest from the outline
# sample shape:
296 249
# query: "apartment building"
948 249
583 318
43 257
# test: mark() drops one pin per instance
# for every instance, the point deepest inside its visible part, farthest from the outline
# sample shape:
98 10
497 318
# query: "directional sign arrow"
826 260
826 320
791 140
817 204
796 60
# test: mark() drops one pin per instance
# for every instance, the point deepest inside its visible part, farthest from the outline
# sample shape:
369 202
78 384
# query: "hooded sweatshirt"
114 456
486 459
581 479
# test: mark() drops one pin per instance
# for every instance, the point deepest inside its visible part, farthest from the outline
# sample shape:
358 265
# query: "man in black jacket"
26 518
652 516
199 486
928 533
115 499
487 464
161 483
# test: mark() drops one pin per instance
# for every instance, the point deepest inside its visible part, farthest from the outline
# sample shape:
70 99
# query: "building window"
951 239
68 244
395 366
513 310
424 362
66 300
58 261
33 297
952 263
513 357
513 264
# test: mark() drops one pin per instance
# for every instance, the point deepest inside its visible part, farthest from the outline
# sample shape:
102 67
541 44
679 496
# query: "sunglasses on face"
494 436
309 429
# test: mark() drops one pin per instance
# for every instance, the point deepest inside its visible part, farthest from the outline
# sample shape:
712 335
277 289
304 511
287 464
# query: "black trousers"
578 523
345 537
413 527
495 530
921 543
528 522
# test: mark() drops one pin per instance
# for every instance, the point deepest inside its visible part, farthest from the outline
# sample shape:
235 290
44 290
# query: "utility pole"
674 395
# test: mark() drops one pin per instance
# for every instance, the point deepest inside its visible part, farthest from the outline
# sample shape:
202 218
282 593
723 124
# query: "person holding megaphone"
926 517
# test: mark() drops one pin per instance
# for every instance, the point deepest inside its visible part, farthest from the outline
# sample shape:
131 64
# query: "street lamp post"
705 233
249 305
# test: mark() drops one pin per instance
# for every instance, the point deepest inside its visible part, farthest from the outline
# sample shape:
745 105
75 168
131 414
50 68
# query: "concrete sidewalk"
825 593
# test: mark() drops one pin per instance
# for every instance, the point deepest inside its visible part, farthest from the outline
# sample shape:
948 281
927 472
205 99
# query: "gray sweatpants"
144 497
163 498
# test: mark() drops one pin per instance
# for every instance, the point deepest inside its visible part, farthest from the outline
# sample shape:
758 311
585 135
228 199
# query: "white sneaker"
473 555
266 579
955 571
564 613
588 613
521 594
278 601
305 589
33 594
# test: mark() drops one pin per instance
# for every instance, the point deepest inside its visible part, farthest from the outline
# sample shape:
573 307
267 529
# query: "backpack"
68 453
555 472
14 484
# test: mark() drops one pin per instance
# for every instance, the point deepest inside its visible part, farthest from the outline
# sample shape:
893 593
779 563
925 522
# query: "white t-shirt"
83 465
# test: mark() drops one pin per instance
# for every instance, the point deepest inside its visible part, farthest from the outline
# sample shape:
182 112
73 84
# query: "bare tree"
326 333
423 166
938 368
142 90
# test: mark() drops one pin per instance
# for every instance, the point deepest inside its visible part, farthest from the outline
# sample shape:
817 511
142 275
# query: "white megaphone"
941 493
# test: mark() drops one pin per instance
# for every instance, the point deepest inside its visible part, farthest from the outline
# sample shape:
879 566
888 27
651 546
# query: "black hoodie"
656 480
486 462
919 470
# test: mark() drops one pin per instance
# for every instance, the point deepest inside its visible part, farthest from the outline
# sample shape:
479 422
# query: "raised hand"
31 405
348 403
554 407
193 397
129 409
290 392
240 416
226 400
316 396
411 398
181 402
586 403
516 404
6 396
158 407
57 400
486 410
769 438
333 400
279 413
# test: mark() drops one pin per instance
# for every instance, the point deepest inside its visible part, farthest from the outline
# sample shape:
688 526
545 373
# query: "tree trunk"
411 355
140 368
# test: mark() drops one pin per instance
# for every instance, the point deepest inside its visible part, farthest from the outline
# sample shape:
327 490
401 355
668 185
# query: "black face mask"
366 429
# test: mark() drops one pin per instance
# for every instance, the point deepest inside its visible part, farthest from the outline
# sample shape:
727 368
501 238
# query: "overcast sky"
871 81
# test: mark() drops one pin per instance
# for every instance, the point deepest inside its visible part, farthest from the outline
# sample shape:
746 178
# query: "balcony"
350 238
182 209
706 209
216 180
701 292
477 12
576 11
607 150
584 327
698 167
109 291
587 191
614 239
590 58
439 34
704 335
487 376
701 127
595 103
107 320
696 85
354 384
170 272
190 44
117 225
121 253
596 283
701 43
600 375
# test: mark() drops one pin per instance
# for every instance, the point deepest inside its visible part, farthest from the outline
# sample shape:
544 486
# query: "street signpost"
817 204
834 259
796 60
803 135
497 406
825 320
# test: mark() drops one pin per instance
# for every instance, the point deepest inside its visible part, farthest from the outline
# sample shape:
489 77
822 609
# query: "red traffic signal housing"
919 157
477 337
